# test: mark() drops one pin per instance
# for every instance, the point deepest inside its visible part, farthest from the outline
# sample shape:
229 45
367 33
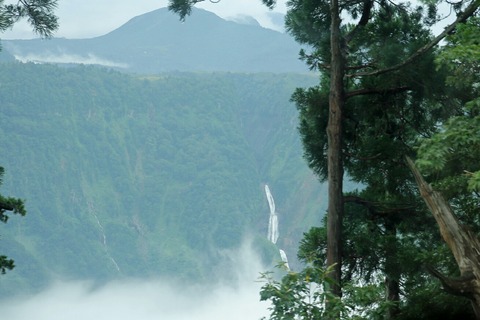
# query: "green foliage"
386 230
312 104
270 3
456 147
461 56
384 113
451 154
308 22
11 204
367 250
39 14
298 295
302 295
182 7
170 168
17 207
6 264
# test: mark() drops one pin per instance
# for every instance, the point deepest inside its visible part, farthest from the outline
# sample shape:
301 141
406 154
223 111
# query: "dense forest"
138 176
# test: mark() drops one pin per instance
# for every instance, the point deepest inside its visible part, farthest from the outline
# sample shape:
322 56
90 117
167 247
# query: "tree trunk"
463 243
334 152
392 271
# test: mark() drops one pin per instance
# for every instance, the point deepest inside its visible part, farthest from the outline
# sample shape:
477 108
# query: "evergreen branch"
182 8
462 286
374 207
6 264
363 158
362 66
313 61
39 13
6 206
462 17
367 8
366 91
11 204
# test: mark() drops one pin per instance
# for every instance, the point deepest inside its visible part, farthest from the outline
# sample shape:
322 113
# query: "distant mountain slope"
158 41
144 176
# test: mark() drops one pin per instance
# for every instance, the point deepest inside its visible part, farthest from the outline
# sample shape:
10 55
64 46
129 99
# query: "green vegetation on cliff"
146 176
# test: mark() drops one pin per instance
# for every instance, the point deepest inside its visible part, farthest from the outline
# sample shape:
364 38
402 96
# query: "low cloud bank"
146 300
68 58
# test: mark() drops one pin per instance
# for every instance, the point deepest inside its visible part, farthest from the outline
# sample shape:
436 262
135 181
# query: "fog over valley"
148 299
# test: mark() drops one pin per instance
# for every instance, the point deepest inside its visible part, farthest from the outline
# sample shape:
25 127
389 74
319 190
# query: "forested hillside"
143 176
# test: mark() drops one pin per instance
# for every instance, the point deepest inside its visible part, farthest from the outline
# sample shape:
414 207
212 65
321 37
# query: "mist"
69 58
152 299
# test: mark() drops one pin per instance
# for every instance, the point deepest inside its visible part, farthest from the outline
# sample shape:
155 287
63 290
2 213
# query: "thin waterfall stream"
273 232
92 210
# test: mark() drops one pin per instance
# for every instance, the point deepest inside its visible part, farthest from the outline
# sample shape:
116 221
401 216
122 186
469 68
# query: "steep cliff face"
137 177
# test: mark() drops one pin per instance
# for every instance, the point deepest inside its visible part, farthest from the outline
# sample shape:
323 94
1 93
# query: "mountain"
158 41
143 176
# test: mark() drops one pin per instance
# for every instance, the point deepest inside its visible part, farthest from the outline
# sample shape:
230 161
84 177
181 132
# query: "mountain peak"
159 41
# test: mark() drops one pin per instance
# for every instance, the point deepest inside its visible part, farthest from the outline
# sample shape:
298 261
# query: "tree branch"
363 66
469 11
366 91
375 208
463 243
6 206
367 8
183 8
462 286
362 158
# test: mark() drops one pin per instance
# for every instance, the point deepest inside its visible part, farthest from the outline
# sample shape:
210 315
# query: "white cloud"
230 9
68 58
147 299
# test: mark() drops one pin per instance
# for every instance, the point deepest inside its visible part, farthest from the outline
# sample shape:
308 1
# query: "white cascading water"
283 255
273 222
273 225
91 209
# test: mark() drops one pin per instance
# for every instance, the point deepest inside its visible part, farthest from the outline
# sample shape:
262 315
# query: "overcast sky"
90 18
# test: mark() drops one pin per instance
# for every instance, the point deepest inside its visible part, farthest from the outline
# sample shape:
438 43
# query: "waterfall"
273 222
283 255
273 232
92 210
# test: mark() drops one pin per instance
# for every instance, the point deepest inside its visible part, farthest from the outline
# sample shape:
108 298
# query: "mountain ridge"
158 41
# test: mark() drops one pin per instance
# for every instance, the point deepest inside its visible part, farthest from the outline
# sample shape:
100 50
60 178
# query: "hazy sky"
90 18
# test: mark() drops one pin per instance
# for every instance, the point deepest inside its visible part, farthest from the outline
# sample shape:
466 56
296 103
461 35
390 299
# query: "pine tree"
352 69
39 14
8 204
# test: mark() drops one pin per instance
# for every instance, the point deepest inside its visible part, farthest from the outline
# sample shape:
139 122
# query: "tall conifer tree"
319 24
